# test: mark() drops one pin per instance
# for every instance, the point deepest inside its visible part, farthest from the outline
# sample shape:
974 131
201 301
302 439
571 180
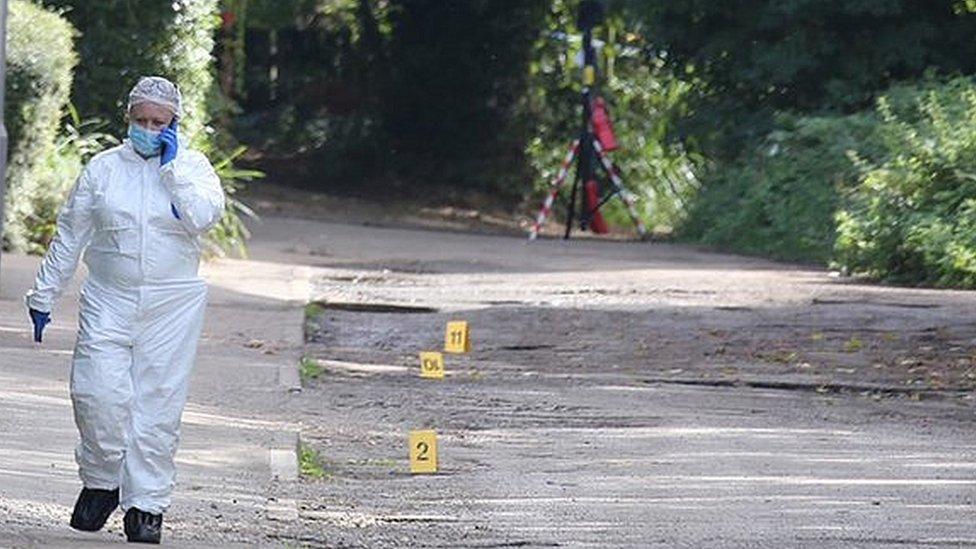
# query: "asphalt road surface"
617 394
628 395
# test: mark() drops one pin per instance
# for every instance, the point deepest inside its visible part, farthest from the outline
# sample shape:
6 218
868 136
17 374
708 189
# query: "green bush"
40 57
912 218
780 199
53 177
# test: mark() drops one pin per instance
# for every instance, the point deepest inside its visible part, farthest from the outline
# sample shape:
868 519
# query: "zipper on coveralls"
147 165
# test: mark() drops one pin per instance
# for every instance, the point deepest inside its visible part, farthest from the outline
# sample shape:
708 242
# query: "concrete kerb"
289 378
284 455
283 460
291 284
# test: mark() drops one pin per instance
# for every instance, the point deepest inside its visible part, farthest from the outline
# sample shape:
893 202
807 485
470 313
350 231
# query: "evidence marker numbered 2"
423 452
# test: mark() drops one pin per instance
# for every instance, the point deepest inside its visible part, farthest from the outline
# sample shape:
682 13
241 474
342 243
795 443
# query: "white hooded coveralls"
141 312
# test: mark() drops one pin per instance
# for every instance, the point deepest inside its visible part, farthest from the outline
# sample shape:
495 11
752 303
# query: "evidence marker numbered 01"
423 452
432 365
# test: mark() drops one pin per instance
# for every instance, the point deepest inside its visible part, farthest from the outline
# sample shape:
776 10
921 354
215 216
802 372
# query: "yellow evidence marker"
589 75
423 452
432 365
458 337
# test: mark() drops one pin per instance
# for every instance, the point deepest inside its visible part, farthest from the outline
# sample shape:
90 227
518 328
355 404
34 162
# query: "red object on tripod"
602 126
597 224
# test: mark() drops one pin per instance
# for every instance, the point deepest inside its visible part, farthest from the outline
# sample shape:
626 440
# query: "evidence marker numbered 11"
457 339
423 452
432 365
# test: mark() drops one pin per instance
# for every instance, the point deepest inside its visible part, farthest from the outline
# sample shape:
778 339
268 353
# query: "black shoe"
143 527
93 508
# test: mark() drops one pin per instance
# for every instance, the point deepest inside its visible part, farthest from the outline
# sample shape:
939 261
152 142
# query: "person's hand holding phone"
171 143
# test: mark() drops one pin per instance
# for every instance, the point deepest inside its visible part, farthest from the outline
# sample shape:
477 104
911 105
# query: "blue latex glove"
171 143
40 320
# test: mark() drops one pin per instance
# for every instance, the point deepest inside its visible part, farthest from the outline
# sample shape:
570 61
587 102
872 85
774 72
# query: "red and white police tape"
556 184
560 178
619 184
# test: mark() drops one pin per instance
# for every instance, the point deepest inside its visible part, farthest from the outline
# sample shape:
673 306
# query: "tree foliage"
752 58
457 70
122 40
410 90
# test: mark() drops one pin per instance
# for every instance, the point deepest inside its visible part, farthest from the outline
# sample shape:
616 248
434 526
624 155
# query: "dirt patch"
795 348
620 393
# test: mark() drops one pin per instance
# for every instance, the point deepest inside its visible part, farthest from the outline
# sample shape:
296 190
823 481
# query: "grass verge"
310 462
309 369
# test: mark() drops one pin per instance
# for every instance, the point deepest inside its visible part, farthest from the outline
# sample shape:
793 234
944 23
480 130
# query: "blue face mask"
145 142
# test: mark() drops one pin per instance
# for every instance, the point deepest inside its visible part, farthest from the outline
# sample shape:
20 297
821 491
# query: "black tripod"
587 149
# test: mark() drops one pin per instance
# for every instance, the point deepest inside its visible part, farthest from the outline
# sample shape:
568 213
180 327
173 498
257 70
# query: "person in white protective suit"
137 212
